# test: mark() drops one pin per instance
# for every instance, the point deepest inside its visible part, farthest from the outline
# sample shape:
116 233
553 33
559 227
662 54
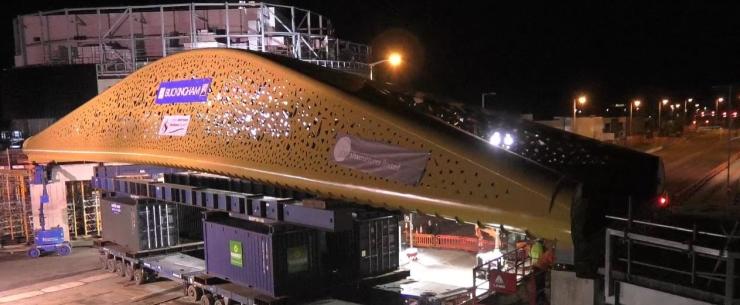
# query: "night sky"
535 56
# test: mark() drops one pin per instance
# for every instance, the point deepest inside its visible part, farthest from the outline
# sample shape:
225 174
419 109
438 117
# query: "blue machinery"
51 240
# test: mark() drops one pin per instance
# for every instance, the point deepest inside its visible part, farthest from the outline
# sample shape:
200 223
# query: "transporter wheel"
150 275
207 299
34 252
219 301
139 276
103 262
194 293
129 272
111 265
120 268
64 250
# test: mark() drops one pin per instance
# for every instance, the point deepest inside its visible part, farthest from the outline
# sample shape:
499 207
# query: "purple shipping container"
276 259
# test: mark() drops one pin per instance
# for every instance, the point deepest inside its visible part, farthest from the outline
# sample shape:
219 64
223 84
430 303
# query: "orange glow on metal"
266 122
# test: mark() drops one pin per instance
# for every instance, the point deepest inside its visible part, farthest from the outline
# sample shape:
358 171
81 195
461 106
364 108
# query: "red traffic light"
664 200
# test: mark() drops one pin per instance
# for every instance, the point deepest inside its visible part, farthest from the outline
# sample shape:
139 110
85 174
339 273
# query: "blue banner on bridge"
183 91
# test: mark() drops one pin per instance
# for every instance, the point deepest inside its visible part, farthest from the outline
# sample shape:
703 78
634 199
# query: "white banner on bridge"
174 125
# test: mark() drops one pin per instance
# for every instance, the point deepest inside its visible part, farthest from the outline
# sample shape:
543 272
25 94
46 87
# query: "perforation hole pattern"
262 115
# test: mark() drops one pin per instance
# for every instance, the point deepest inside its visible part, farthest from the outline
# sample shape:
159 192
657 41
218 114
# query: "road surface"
689 159
75 279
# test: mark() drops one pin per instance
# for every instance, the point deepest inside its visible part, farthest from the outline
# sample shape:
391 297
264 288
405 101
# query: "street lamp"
678 109
686 109
716 104
394 60
635 104
660 110
581 100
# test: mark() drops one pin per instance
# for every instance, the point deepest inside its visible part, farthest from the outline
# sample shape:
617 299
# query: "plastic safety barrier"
453 242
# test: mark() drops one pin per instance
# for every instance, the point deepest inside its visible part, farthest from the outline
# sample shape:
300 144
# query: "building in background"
607 129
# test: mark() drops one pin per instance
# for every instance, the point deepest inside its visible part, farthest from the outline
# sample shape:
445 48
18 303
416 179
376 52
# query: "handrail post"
730 279
693 255
626 235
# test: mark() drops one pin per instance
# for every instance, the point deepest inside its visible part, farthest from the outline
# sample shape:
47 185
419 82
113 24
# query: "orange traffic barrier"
453 242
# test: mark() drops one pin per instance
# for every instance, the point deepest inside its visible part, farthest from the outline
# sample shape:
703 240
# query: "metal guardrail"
350 66
452 242
517 262
676 265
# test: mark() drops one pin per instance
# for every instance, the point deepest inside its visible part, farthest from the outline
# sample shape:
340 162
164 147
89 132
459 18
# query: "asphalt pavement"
689 159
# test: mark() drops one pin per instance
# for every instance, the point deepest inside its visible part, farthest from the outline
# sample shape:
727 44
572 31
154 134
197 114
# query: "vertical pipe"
26 228
729 134
574 116
193 38
730 279
69 44
7 192
262 26
660 110
607 265
43 38
97 211
629 240
411 230
101 51
74 210
131 37
161 27
228 31
296 43
399 240
161 225
84 213
693 255
629 127
148 235
167 222
369 247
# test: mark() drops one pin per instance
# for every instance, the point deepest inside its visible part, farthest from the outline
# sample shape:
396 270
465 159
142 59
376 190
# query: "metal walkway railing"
671 259
516 264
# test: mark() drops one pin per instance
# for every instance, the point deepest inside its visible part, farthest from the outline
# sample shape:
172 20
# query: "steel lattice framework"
119 40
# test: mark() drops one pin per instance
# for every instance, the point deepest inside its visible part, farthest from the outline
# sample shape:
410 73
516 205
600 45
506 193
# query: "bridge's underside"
278 122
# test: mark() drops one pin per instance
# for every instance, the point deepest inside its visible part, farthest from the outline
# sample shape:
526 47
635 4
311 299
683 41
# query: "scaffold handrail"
517 262
675 228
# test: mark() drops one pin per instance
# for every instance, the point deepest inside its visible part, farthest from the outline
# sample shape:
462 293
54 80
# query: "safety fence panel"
453 242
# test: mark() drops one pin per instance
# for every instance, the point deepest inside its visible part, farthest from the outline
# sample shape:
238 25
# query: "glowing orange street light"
581 100
634 104
660 110
394 59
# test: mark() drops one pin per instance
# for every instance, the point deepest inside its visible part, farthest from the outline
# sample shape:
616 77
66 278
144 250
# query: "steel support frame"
306 36
729 258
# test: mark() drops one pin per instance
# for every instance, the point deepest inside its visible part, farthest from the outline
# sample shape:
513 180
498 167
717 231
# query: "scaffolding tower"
83 209
15 202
